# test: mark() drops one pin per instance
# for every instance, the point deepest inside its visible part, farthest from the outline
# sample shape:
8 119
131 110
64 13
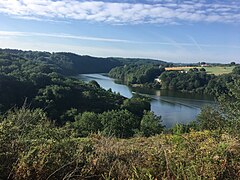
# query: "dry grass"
197 155
180 68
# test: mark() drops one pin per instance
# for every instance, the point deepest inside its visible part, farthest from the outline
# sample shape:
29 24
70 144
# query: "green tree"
211 119
69 115
236 70
94 84
136 105
230 105
137 74
151 124
121 123
87 123
226 116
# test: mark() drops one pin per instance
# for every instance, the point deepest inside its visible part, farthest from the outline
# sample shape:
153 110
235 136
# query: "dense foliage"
194 80
70 63
118 123
137 74
219 84
140 61
67 63
41 82
185 81
224 117
42 85
36 83
197 81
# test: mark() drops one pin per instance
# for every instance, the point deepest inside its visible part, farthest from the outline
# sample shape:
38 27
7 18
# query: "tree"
226 116
94 84
137 74
54 99
236 70
87 123
230 105
69 115
136 105
210 119
151 124
121 123
193 70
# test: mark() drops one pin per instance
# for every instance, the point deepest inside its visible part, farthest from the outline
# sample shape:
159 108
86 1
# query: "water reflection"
174 107
107 83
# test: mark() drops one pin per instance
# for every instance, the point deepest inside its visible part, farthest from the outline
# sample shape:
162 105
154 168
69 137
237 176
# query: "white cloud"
168 41
66 36
125 12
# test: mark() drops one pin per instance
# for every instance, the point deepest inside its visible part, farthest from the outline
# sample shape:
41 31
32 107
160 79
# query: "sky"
171 30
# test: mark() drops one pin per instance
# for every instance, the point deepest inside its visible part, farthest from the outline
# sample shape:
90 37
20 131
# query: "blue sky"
171 30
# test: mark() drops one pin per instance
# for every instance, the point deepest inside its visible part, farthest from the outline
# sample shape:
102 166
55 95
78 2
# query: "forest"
54 126
192 81
143 74
43 84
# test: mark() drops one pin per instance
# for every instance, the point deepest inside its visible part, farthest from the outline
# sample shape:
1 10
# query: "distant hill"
141 61
71 63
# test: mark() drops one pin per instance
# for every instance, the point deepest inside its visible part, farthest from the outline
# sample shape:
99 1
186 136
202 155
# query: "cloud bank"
126 11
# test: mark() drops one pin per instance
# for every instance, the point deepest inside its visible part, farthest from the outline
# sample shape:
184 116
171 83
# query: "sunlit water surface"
174 107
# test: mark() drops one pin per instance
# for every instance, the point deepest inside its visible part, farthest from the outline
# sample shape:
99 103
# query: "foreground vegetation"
32 148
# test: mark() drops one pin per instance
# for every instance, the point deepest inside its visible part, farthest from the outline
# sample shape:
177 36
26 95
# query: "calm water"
174 107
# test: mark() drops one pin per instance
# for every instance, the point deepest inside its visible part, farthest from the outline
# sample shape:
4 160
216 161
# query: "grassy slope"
217 70
197 155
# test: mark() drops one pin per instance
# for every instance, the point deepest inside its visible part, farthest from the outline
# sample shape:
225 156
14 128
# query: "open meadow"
217 70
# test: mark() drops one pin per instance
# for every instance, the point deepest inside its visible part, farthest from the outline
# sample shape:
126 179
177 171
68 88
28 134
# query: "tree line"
194 80
197 81
143 74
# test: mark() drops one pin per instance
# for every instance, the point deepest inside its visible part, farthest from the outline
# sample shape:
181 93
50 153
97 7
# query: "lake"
174 107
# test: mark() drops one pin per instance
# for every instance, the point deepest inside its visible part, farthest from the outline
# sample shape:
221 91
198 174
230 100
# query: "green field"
217 70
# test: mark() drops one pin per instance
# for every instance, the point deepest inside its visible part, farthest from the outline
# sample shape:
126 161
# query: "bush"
19 131
33 148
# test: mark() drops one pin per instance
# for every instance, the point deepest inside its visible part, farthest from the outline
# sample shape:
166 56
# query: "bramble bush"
32 147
